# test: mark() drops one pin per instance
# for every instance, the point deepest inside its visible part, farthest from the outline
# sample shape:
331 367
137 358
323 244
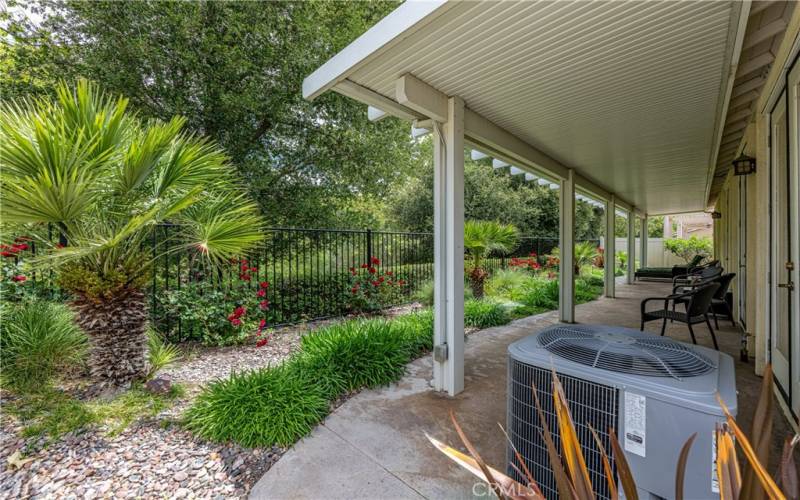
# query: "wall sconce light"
744 165
716 215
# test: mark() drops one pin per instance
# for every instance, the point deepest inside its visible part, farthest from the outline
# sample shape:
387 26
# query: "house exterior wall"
756 217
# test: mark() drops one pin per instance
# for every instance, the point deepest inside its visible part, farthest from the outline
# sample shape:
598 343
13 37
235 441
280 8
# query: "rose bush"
372 288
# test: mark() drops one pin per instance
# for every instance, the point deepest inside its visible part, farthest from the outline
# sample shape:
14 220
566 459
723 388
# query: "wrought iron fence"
308 270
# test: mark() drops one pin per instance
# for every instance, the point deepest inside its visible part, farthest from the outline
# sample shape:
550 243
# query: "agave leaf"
763 476
525 471
623 469
472 451
730 480
761 437
570 444
787 469
506 483
680 472
563 484
612 483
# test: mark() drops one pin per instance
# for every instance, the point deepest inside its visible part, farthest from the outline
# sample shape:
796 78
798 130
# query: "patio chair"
697 307
718 300
702 273
667 272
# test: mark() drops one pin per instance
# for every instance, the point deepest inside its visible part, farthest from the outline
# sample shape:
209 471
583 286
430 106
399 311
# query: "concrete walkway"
374 445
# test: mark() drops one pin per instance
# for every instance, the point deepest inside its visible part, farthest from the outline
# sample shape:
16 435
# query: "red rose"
262 323
262 342
19 278
245 267
261 293
401 282
380 280
364 266
5 253
352 269
253 269
20 247
240 310
264 284
388 273
372 270
263 304
354 290
376 283
375 261
245 277
236 322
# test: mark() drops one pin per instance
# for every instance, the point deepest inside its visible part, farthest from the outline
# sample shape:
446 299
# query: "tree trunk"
116 328
477 279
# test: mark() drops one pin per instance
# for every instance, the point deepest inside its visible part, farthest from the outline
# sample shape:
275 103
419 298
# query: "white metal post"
439 255
610 265
449 251
631 246
566 268
643 242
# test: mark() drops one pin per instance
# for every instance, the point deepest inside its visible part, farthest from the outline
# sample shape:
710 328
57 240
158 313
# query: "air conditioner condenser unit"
653 391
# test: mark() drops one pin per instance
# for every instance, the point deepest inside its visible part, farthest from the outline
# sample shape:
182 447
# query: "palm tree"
585 254
105 179
480 239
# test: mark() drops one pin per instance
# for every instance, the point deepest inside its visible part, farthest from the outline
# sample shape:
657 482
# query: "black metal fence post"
369 247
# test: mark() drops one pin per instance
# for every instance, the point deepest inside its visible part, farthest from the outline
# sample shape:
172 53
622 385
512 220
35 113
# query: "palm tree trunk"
116 328
477 279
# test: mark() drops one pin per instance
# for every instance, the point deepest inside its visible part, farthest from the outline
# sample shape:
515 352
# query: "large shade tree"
105 178
234 70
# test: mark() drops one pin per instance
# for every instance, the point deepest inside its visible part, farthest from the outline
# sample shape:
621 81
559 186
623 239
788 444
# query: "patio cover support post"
631 246
643 242
610 264
566 268
448 357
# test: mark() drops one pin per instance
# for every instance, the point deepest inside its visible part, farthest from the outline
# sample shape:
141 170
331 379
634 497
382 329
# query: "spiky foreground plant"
480 239
572 475
105 179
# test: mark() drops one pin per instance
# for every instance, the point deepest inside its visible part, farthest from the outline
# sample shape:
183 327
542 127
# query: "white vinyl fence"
657 256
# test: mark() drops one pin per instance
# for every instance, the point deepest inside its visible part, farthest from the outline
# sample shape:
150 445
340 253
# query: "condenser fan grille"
636 353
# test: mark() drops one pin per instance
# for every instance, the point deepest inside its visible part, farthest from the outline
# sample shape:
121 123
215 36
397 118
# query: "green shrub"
504 282
688 248
354 354
275 405
484 314
38 341
587 290
540 293
424 295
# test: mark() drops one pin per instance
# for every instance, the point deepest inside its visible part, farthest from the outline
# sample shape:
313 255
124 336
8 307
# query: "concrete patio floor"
374 445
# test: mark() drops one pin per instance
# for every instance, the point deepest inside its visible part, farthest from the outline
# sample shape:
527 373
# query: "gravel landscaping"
153 457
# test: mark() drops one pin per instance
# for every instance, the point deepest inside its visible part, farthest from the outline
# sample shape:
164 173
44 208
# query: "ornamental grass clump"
485 314
279 405
38 341
417 330
275 405
348 356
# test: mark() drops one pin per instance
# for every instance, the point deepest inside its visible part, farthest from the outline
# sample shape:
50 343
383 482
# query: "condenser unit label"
635 423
